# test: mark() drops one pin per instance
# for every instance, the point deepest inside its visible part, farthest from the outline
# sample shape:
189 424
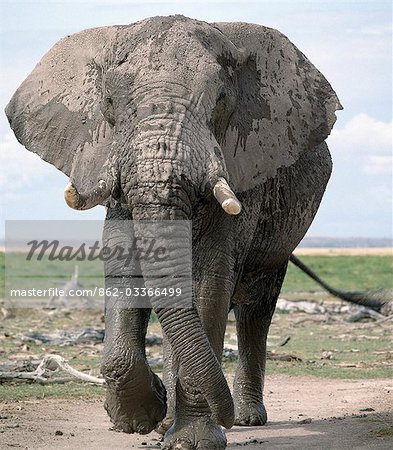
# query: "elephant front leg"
135 396
252 322
193 426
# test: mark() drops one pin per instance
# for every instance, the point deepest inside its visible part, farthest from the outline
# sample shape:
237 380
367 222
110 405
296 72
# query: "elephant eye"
221 96
225 100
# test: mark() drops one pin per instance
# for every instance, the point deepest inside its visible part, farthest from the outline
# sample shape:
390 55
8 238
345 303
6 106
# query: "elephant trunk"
179 318
199 365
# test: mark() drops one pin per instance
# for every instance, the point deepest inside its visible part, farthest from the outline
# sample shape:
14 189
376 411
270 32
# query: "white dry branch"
49 365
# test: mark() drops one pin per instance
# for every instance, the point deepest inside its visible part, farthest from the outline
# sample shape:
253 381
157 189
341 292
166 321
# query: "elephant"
217 126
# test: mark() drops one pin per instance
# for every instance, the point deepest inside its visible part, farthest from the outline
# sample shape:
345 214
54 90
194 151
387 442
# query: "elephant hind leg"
259 294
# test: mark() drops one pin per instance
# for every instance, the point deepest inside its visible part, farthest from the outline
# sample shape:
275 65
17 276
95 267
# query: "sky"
350 42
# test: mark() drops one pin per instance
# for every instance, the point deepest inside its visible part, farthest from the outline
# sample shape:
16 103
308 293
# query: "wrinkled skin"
145 119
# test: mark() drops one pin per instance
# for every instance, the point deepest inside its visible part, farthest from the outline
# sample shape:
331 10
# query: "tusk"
225 196
93 198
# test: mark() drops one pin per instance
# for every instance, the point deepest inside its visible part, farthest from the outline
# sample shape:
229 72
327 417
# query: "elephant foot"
135 396
250 413
195 433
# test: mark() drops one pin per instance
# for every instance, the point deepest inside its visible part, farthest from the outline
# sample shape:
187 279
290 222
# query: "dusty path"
345 414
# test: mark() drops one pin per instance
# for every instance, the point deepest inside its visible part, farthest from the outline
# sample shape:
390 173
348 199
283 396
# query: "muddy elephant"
217 125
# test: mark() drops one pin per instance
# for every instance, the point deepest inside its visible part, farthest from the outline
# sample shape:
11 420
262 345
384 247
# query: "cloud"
362 135
365 145
20 169
378 165
358 64
382 30
359 194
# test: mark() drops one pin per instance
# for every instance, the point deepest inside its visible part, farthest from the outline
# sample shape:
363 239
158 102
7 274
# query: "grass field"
329 347
332 348
358 272
342 272
2 274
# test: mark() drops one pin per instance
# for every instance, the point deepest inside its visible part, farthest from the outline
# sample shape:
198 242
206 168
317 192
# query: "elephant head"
161 114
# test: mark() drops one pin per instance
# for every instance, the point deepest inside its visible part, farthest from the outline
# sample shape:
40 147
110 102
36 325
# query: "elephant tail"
375 299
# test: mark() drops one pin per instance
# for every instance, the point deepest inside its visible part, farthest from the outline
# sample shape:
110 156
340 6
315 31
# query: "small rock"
305 421
231 354
59 433
367 410
327 355
153 339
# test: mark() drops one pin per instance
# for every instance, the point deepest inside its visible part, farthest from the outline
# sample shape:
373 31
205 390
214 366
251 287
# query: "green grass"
382 432
2 274
342 272
43 274
363 346
23 391
310 346
276 368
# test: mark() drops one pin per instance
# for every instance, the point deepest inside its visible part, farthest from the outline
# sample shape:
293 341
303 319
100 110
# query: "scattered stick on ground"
49 365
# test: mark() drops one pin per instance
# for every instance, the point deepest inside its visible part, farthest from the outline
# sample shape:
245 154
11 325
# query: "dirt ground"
304 413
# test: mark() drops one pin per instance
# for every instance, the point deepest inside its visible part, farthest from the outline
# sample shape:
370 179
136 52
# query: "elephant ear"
56 111
285 106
